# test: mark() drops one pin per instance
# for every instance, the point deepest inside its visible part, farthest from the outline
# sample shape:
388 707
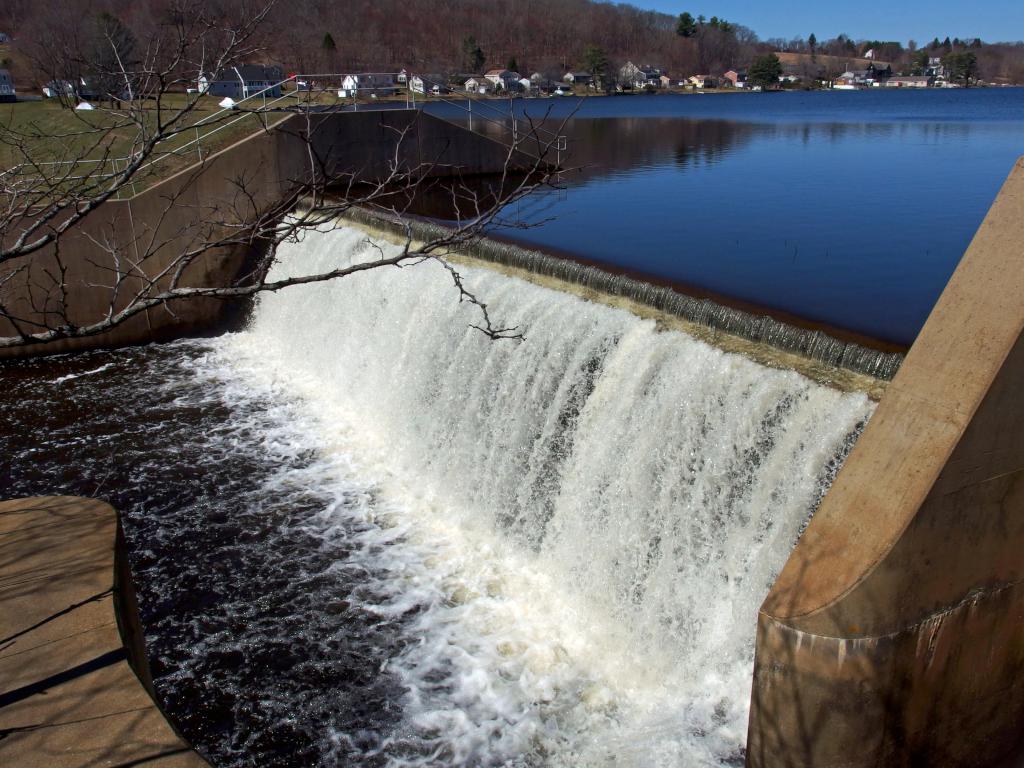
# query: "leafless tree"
58 184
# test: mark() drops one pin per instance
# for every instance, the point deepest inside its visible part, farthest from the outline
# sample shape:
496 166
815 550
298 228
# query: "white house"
478 85
640 77
7 92
242 81
525 84
504 79
366 85
403 77
57 88
427 84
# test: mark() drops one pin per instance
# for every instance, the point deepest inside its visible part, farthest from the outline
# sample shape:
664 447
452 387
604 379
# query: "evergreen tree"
765 71
919 62
472 56
595 61
512 65
328 43
686 27
812 44
961 65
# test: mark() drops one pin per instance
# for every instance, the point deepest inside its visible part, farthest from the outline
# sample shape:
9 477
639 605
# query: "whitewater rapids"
578 528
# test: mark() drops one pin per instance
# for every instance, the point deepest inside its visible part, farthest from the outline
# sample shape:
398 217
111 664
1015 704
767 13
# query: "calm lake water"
850 209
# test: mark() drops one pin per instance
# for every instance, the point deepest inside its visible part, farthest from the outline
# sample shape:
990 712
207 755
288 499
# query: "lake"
850 209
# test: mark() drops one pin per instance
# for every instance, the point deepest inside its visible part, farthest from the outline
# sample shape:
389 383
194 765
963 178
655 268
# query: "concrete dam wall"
142 236
894 634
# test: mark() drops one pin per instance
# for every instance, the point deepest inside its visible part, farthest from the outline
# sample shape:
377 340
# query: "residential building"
403 77
578 78
848 81
910 81
57 88
666 81
701 81
7 92
366 85
240 82
736 77
873 77
478 85
935 67
428 84
504 79
640 77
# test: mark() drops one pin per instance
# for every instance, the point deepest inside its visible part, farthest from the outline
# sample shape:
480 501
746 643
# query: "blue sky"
921 20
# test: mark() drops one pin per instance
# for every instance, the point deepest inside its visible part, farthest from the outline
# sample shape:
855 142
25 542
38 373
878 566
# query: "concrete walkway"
68 696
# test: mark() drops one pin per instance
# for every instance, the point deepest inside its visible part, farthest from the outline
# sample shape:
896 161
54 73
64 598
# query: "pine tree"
686 27
765 71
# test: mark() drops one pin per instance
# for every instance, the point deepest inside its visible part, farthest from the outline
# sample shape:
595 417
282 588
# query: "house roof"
250 72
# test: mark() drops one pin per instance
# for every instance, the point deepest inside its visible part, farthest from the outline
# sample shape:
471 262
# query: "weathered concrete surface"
894 636
68 696
253 179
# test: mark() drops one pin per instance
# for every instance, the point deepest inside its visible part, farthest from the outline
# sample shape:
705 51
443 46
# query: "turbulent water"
365 533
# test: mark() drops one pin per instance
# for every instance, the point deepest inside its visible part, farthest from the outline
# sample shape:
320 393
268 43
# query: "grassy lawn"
51 133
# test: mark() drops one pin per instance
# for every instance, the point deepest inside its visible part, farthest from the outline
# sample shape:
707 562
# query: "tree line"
549 36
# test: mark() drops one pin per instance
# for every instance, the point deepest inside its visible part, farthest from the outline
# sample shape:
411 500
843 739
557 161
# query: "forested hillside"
457 35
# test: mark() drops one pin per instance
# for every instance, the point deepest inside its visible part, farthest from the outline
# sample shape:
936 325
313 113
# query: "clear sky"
920 20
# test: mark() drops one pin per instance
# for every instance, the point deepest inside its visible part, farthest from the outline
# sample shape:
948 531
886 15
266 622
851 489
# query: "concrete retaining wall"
232 187
68 695
894 636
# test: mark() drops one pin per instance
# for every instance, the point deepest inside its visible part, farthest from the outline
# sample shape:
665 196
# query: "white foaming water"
581 525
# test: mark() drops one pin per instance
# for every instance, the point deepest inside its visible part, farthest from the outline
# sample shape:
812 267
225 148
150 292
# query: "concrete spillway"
894 635
598 509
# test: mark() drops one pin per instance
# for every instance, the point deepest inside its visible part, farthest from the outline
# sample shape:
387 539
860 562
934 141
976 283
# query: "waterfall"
814 345
594 513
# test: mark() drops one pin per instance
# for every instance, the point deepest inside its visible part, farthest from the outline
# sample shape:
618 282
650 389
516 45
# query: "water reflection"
850 212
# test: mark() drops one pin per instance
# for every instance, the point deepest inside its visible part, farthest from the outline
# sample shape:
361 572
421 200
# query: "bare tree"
59 186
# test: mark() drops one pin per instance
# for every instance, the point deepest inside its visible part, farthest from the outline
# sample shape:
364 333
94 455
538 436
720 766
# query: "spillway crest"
575 529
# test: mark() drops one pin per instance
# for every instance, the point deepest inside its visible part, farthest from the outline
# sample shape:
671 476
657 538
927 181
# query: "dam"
363 532
546 548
